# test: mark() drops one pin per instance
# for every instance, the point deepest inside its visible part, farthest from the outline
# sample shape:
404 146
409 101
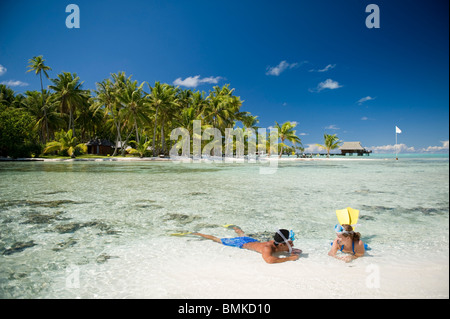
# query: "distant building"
100 147
353 148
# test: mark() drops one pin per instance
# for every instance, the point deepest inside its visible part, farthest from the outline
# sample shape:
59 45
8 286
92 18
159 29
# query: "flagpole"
396 146
397 131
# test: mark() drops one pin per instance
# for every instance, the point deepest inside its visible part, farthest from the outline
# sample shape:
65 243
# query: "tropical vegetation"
65 143
331 142
63 115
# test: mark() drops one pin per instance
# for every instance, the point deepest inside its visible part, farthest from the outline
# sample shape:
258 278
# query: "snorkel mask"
340 230
291 237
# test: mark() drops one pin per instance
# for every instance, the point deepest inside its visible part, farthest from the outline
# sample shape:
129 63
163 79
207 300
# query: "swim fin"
231 226
181 234
347 216
354 214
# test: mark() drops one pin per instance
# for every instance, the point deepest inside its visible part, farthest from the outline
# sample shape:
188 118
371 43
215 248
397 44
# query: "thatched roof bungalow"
353 148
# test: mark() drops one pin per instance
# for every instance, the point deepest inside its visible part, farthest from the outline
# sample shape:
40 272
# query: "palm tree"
287 132
134 111
223 108
65 142
88 119
217 112
250 121
6 95
69 94
331 142
37 65
105 100
47 118
162 99
199 103
140 148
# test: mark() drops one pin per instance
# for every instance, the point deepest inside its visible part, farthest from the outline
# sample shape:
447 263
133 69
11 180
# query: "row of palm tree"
121 109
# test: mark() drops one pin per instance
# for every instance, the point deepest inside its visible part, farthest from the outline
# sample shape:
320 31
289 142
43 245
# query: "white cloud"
327 84
313 148
14 83
303 134
364 118
2 70
400 148
332 127
431 149
365 99
194 81
281 67
403 148
328 67
325 69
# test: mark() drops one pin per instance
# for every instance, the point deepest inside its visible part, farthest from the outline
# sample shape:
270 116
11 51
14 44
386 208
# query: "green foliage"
140 148
331 142
64 144
17 137
287 132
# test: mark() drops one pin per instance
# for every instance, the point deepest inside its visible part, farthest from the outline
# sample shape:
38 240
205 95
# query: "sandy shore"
184 160
204 270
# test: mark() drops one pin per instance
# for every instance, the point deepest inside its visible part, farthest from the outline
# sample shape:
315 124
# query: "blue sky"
312 62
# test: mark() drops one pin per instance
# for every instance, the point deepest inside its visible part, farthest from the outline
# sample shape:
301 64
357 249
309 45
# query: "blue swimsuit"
238 241
353 247
366 247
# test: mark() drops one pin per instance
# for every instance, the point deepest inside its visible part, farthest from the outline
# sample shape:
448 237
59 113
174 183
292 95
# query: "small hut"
100 147
353 148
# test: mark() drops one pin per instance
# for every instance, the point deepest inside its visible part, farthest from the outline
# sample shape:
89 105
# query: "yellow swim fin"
231 226
354 214
181 234
347 216
343 216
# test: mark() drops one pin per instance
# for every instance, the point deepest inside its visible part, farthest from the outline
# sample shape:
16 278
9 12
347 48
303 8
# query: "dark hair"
353 235
278 239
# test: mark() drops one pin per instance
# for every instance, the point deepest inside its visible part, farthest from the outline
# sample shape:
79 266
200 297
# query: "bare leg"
213 238
239 231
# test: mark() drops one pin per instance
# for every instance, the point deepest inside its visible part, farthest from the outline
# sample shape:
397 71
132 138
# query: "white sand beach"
205 270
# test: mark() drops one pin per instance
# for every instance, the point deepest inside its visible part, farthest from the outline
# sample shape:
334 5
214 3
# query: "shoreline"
184 160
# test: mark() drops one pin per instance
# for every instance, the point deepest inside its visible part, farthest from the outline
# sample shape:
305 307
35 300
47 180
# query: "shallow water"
101 229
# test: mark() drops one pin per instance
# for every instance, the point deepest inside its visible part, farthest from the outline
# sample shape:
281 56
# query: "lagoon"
102 229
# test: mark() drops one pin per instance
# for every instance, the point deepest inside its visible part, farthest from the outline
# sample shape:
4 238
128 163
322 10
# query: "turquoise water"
94 221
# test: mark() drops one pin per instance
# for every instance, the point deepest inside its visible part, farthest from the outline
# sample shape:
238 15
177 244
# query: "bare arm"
268 258
334 248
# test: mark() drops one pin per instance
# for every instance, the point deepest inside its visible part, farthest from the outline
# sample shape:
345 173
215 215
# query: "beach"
91 229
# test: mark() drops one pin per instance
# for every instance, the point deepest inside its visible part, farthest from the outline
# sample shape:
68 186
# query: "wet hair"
278 239
355 236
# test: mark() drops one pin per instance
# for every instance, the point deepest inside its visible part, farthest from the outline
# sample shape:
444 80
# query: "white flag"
397 130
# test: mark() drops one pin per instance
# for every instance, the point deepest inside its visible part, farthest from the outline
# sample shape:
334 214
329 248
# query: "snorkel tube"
286 241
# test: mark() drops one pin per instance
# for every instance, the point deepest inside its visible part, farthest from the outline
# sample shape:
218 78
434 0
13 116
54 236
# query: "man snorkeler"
282 241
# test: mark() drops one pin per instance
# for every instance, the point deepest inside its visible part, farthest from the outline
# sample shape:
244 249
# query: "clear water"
101 229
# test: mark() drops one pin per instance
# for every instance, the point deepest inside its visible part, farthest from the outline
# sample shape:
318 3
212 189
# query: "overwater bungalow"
351 148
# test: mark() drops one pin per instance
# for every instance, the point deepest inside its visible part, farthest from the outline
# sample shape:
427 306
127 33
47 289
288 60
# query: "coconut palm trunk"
45 110
154 133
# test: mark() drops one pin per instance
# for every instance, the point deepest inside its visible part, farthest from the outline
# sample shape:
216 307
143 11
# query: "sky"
312 62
